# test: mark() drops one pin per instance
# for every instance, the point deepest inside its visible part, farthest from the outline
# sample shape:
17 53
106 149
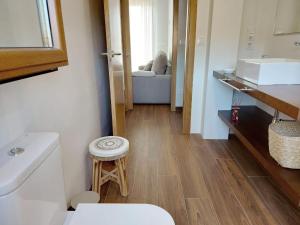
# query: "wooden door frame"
174 53
189 65
125 27
127 53
118 128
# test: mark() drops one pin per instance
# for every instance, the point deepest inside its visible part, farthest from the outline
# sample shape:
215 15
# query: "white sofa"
150 88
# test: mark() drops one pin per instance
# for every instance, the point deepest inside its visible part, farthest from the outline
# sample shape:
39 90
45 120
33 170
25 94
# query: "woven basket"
284 143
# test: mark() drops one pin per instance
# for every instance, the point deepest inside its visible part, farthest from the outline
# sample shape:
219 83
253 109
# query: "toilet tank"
31 181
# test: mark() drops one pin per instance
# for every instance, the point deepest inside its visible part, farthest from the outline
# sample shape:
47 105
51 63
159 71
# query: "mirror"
32 38
25 24
287 17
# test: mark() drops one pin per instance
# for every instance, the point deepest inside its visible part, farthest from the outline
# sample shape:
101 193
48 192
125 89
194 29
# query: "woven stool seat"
109 148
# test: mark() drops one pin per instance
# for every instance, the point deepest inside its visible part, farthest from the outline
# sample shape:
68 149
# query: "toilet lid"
120 214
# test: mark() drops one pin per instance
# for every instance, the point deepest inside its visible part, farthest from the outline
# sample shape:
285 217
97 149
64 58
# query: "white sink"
269 71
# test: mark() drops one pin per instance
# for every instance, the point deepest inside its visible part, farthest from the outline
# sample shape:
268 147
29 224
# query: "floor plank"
254 207
280 207
145 185
189 171
200 212
243 158
218 149
172 199
160 148
228 208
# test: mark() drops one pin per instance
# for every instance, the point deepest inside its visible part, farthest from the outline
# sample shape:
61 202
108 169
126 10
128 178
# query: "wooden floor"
197 181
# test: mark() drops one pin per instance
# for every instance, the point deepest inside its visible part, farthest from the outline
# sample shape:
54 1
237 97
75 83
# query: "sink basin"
269 71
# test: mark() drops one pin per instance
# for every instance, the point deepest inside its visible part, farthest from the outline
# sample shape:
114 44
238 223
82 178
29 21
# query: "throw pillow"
160 63
141 67
148 67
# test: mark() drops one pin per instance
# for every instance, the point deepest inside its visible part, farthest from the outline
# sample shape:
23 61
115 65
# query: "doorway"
151 33
130 9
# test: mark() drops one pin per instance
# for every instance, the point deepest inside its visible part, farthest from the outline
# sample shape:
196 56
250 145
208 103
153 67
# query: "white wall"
223 52
73 101
259 20
181 52
204 10
22 30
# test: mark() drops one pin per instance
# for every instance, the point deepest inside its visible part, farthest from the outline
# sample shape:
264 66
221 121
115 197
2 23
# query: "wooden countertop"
284 98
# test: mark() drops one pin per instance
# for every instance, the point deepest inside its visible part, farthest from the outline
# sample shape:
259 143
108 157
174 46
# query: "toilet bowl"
120 214
32 190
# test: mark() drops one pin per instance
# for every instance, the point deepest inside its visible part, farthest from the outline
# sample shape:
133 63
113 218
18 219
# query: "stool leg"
99 176
122 177
95 175
124 162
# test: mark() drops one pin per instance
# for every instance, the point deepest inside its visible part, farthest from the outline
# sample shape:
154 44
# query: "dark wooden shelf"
285 98
252 130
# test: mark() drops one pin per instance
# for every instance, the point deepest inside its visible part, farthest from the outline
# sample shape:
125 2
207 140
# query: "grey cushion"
143 74
160 63
141 67
152 90
148 67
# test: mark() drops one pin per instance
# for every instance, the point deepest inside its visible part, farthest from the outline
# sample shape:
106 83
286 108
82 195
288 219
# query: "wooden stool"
109 149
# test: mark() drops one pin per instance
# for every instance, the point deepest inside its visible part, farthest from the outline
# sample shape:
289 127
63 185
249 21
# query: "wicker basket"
284 143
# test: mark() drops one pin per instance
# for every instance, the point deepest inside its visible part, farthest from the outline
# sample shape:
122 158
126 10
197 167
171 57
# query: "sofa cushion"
160 63
142 73
148 67
141 67
152 90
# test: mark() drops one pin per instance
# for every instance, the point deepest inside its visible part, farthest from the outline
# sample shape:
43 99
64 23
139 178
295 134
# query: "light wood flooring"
196 181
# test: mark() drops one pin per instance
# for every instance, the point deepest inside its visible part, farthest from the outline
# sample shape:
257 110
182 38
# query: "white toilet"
32 190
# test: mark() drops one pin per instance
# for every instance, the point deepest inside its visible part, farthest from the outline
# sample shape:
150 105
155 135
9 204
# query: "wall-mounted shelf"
253 124
284 98
252 131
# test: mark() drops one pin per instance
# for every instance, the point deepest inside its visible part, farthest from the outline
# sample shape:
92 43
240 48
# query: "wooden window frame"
18 63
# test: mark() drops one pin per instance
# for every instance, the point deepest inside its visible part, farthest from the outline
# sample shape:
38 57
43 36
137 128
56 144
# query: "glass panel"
24 23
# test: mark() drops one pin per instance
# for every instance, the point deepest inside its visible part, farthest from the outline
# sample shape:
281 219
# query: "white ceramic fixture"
31 183
120 214
32 190
269 71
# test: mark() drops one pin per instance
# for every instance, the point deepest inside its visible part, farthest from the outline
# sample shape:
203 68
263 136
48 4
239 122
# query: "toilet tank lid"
14 170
